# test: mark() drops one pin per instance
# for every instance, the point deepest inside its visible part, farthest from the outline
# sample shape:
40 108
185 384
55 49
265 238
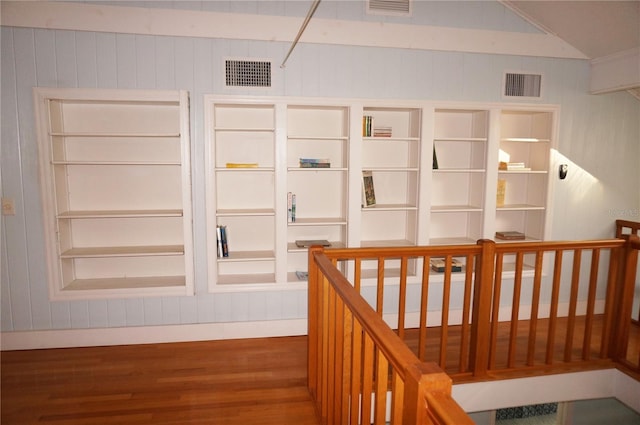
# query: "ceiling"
596 28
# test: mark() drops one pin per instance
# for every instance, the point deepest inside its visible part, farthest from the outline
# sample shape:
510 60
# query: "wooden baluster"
515 311
535 304
444 318
380 287
402 296
424 300
466 309
382 380
495 311
553 308
479 349
591 301
356 372
573 301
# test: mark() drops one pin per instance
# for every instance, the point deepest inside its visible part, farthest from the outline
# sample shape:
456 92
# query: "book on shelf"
512 166
221 241
510 235
500 194
289 207
435 159
367 125
306 243
242 164
293 207
382 131
439 265
368 191
315 163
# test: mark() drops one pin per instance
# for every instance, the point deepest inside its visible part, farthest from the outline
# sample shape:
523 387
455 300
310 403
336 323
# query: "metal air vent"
522 85
389 7
247 73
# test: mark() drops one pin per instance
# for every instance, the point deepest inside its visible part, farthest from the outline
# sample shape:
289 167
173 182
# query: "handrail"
496 302
350 340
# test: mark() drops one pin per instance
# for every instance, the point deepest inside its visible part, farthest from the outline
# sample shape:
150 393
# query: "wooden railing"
506 294
626 227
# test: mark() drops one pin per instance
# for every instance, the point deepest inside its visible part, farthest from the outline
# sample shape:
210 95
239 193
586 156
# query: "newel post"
624 297
313 321
481 316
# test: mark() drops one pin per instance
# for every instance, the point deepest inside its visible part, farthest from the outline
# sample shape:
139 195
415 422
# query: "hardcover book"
368 191
306 243
510 235
438 265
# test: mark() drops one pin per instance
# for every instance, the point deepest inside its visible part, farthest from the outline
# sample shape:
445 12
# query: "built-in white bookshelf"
416 203
525 139
242 157
457 195
115 177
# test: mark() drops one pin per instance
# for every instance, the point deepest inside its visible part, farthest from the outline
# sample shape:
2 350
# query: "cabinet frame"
128 240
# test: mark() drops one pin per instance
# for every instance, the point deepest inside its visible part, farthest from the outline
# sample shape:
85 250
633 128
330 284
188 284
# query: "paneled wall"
598 139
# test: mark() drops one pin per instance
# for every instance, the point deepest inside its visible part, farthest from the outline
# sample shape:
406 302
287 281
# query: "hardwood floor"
257 382
249 382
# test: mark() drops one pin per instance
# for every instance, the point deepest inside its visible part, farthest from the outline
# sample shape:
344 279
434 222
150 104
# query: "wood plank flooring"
249 382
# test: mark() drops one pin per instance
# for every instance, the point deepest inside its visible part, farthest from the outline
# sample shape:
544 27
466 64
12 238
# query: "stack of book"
315 163
439 265
510 235
382 132
512 166
221 237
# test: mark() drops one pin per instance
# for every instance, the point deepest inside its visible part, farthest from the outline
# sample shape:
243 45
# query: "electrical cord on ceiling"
312 10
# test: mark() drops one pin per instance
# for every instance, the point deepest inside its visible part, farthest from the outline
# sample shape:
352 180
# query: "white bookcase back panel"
160 149
392 153
125 231
334 233
531 223
457 189
524 189
534 155
244 116
115 187
460 155
455 227
395 187
248 233
335 150
245 190
317 122
90 117
127 267
388 228
245 148
319 193
526 125
460 124
404 123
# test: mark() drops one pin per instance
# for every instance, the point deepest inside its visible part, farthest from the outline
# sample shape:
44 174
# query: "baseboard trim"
65 338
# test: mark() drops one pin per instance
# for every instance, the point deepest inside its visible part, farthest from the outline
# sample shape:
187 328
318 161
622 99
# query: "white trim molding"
620 71
67 338
189 23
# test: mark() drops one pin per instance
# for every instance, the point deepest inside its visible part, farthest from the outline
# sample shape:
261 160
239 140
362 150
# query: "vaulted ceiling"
606 31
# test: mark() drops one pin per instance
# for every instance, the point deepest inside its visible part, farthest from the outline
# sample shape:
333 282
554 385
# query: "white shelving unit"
316 132
115 177
459 176
242 155
415 203
525 137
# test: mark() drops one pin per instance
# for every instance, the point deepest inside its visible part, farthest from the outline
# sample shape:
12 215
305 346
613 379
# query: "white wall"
599 138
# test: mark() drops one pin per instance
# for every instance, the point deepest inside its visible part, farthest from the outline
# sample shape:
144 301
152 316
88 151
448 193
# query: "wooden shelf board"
318 221
461 240
113 135
246 279
123 251
243 256
126 283
523 172
391 139
292 247
459 170
245 212
455 208
391 169
78 162
226 169
390 207
327 138
119 214
524 140
520 207
385 243
245 130
322 169
460 139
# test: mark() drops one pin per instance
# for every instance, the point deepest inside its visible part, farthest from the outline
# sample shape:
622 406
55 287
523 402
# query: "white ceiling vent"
247 73
522 85
389 7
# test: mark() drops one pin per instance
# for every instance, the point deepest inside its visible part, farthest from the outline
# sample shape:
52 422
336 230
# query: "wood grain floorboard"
256 381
